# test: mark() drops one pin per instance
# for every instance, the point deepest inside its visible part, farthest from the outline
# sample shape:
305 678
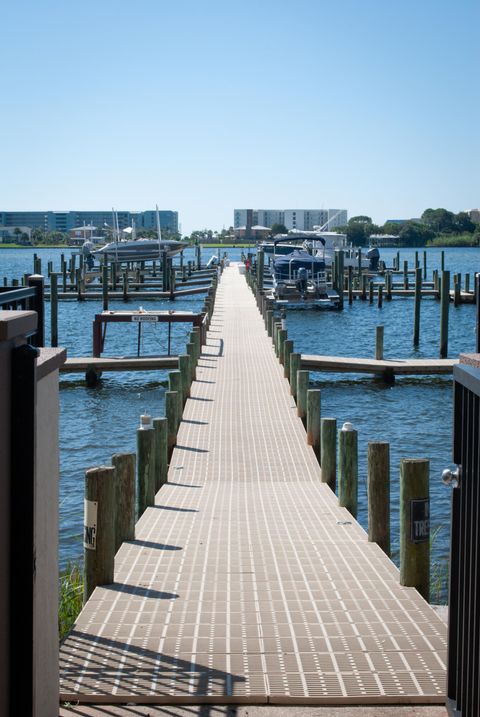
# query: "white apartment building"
300 219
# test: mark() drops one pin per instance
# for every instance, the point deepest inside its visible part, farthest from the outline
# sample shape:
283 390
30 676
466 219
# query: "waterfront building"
299 219
474 215
65 221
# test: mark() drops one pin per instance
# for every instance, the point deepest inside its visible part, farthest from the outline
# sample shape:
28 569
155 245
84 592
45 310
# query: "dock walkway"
246 582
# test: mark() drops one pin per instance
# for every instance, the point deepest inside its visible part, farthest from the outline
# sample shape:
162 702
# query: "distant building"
474 215
257 232
300 219
53 221
384 239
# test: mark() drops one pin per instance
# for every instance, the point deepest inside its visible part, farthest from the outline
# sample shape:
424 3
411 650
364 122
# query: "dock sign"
420 520
143 318
90 525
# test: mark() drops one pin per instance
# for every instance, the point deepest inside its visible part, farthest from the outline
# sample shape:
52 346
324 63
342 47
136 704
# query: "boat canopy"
285 266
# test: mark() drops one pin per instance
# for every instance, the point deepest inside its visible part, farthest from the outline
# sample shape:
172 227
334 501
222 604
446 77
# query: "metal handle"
452 478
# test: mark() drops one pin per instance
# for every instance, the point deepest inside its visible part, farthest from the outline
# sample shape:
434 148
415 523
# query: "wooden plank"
342 364
120 363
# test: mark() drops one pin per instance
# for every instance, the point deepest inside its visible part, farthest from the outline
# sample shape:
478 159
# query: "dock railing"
27 298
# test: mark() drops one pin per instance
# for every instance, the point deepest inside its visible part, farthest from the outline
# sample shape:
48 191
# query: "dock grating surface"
246 582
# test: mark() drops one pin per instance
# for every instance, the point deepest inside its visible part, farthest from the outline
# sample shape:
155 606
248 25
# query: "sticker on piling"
419 520
144 317
90 525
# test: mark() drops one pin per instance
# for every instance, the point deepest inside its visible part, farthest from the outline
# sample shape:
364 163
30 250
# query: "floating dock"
246 582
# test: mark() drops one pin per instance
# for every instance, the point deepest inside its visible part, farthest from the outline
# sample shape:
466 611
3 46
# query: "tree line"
432 226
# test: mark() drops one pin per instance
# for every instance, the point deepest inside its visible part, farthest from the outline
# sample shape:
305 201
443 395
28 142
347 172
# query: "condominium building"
65 221
300 219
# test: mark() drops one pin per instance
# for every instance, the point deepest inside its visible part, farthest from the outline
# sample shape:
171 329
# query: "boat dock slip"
246 583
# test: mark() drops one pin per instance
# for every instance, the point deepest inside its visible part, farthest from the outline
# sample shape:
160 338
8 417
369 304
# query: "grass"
70 597
456 240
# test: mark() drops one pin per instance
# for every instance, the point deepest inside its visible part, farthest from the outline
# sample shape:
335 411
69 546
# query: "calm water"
414 415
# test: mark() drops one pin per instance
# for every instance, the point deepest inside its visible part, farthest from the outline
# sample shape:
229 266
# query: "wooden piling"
295 360
64 274
287 352
415 525
145 469
160 428
416 308
350 285
124 465
171 403
328 451
125 285
175 385
193 363
54 309
363 294
99 528
313 420
260 269
196 331
388 285
303 380
442 260
405 274
425 265
340 277
348 468
282 337
444 307
457 288
379 494
380 296
370 291
269 322
185 371
379 334
105 286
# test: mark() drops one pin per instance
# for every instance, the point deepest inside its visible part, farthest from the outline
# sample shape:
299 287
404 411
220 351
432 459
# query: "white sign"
90 525
144 317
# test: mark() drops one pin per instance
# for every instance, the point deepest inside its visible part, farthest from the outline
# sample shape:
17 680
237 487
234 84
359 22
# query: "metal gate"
463 678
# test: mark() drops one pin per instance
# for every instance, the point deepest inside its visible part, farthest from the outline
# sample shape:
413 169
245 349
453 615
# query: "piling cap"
145 421
347 426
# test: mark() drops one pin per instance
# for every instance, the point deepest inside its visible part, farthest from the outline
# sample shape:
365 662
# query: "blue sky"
368 105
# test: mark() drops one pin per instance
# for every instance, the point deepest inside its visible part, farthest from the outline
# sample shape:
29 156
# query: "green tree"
415 234
358 233
439 220
462 223
361 219
393 228
278 228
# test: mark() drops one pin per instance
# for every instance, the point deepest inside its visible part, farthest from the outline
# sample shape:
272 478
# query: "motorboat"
139 249
326 244
133 249
301 278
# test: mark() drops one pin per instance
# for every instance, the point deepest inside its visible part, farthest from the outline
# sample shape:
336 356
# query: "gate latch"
452 477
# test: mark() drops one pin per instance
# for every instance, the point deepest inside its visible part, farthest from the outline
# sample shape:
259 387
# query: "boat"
300 281
133 249
139 249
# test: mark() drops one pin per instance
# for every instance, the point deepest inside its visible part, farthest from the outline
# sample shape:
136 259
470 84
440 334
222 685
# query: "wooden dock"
82 364
392 367
246 583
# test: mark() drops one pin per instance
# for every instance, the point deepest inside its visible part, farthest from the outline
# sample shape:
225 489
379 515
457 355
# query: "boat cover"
286 266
